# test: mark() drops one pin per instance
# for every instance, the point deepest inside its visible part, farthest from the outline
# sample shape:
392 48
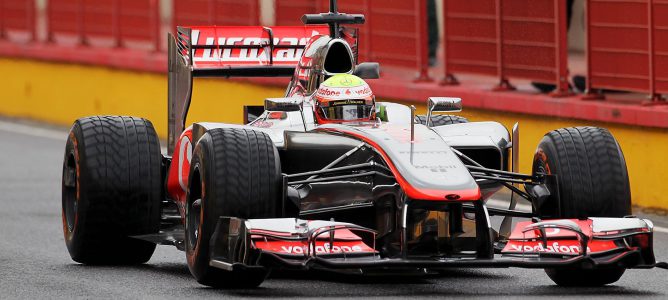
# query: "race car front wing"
300 244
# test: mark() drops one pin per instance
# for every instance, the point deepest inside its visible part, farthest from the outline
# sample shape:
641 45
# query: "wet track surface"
34 262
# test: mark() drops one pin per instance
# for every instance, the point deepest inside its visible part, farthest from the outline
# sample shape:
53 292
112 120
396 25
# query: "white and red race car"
402 193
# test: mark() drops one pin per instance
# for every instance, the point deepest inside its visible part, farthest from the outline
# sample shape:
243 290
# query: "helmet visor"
347 110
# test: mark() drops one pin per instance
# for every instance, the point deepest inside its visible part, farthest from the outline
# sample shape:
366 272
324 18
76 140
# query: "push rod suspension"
508 185
500 172
314 180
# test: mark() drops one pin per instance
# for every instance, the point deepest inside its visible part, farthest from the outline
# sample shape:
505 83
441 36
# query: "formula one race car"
327 178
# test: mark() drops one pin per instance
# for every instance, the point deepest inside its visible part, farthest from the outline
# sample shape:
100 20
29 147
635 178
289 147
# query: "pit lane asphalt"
34 262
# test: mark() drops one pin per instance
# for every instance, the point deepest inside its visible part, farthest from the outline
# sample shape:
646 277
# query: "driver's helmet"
344 98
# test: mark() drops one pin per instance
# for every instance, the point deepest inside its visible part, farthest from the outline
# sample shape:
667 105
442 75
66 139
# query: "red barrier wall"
638 64
508 39
140 21
65 17
17 15
289 12
395 32
470 37
660 51
215 12
118 21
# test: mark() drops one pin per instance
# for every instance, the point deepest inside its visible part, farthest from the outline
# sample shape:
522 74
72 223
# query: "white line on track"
660 229
61 135
39 131
43 132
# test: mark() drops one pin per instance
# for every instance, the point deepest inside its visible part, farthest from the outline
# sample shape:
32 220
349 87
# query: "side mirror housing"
367 70
283 104
442 104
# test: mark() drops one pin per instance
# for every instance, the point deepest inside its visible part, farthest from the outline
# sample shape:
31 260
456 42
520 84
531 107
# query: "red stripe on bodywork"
411 191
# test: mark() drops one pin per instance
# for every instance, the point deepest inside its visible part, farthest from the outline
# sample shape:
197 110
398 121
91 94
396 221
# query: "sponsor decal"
324 91
344 80
347 102
200 37
436 168
550 248
571 247
263 124
423 152
320 247
333 92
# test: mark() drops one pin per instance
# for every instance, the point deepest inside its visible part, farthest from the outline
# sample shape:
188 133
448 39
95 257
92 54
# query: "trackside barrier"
398 34
65 17
215 12
507 39
139 20
17 15
627 47
289 12
394 34
120 21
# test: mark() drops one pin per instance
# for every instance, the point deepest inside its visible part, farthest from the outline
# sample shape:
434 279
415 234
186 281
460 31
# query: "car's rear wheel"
592 182
236 173
111 189
438 120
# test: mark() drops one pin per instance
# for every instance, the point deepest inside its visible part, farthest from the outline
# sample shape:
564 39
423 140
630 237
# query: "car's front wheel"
235 173
592 182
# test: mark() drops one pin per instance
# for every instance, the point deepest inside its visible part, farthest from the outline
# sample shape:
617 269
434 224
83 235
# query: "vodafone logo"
328 92
366 91
553 248
324 249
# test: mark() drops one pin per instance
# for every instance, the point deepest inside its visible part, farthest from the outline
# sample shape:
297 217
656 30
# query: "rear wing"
229 51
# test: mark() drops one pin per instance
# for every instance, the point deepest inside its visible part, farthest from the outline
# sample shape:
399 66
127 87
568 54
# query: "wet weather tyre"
580 277
592 182
111 189
438 120
236 173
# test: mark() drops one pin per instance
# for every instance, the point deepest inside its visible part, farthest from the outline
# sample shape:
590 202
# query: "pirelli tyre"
592 182
111 189
438 120
234 172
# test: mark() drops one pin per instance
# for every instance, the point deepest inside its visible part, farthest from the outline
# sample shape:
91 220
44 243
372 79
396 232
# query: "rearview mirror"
283 104
367 70
442 104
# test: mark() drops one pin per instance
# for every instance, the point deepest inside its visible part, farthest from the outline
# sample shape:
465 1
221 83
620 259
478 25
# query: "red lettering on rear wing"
244 50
